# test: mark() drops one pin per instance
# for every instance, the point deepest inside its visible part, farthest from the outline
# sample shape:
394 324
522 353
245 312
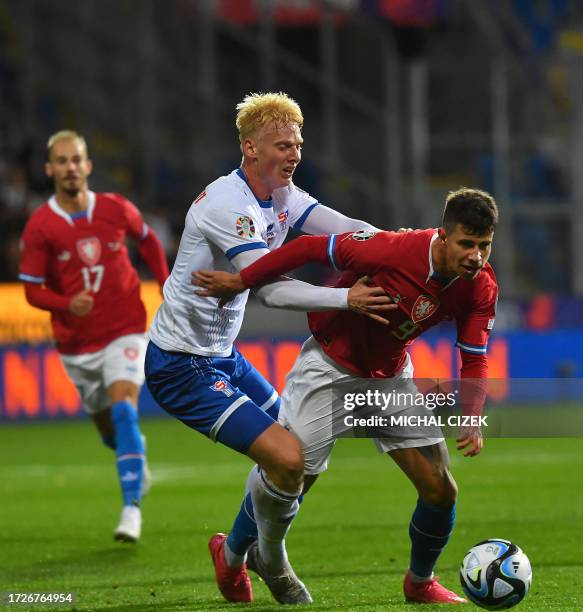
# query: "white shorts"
310 407
93 373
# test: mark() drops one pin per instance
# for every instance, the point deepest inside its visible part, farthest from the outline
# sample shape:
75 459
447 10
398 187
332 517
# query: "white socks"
274 511
233 559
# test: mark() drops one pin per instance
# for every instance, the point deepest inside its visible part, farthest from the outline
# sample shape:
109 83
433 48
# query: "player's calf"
129 452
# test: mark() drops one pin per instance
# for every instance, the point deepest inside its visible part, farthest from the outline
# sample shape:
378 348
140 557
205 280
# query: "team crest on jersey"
131 352
423 308
282 218
362 235
245 227
222 386
89 250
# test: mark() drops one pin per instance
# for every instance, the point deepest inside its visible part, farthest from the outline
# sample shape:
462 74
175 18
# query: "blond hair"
64 135
259 109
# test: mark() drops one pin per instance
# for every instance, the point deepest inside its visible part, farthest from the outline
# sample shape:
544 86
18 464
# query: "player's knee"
442 493
288 469
449 494
123 390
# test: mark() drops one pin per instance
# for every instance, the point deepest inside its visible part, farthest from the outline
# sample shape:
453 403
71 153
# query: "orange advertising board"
21 322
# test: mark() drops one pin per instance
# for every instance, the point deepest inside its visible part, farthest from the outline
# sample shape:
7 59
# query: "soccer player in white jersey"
192 369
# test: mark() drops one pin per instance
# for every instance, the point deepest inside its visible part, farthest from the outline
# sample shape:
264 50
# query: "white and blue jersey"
192 368
226 219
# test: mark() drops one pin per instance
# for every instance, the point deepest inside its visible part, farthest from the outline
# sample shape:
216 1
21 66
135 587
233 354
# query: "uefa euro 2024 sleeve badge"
245 227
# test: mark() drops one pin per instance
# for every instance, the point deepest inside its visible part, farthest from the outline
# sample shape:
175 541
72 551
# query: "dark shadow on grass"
188 604
159 581
89 563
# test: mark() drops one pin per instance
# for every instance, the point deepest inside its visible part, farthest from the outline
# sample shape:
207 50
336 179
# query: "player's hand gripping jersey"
87 251
225 220
401 264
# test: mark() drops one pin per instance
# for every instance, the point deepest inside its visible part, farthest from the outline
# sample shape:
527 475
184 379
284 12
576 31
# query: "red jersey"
401 264
70 253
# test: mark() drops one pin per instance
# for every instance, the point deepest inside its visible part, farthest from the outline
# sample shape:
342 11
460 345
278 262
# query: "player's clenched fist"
81 303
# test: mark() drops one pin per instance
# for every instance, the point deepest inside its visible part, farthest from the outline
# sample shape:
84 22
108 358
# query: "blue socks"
244 531
129 449
429 531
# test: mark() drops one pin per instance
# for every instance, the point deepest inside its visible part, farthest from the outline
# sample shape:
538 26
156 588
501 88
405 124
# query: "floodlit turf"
59 504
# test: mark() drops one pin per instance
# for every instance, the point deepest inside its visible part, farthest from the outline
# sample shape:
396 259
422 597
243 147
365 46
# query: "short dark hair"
474 209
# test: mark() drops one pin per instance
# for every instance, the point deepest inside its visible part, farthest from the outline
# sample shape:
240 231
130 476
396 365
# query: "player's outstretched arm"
324 220
289 293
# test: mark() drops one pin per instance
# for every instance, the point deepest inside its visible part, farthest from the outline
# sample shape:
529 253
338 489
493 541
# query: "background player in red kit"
75 264
433 275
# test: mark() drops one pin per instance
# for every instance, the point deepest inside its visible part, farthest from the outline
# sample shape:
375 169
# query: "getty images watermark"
397 408
422 408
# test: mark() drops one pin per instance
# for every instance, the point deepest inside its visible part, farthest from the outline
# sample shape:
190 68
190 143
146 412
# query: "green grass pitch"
59 503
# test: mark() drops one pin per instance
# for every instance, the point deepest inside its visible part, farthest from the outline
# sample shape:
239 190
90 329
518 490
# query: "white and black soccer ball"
495 574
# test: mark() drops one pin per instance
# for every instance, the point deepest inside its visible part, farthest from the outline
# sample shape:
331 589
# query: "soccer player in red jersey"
432 275
75 264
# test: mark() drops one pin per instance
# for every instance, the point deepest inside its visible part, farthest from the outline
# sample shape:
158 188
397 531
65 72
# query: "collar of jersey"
262 203
433 275
54 206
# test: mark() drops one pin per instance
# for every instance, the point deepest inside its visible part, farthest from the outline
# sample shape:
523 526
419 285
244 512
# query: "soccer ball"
495 574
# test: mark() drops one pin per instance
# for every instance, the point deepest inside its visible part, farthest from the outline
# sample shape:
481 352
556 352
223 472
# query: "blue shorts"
225 398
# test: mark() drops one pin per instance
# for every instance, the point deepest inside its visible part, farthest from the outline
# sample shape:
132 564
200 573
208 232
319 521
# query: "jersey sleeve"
474 329
233 228
35 254
136 227
300 204
359 252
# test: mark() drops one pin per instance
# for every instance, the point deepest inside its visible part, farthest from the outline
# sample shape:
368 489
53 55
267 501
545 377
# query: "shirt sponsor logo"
245 227
490 324
282 218
89 250
270 233
64 256
362 235
222 386
423 308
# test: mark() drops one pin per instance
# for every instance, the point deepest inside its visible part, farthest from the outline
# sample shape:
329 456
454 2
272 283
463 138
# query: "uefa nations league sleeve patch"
362 235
